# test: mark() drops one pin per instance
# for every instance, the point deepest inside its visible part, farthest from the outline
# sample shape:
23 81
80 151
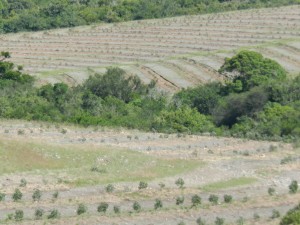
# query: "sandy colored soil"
244 169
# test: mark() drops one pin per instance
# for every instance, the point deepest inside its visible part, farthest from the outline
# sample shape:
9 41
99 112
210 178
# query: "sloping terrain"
177 52
62 158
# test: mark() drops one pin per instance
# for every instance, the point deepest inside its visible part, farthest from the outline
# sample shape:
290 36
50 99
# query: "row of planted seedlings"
196 201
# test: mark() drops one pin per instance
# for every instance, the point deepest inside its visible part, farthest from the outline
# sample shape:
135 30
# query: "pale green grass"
229 183
74 162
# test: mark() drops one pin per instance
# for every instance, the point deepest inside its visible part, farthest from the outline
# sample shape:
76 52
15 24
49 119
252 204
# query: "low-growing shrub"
37 194
136 207
275 214
179 200
213 199
158 204
196 200
240 221
17 195
293 187
162 185
81 209
271 191
54 214
55 195
19 215
109 188
103 206
2 197
23 183
38 214
117 209
200 221
143 185
219 221
227 198
179 182
256 216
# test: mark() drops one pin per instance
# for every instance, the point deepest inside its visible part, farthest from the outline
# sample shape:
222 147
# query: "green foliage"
2 197
158 204
200 221
143 185
213 199
271 191
103 206
37 194
179 182
19 214
109 188
219 221
36 15
196 200
275 214
183 119
179 200
293 187
54 214
292 217
227 198
38 214
17 195
117 209
136 207
252 70
81 209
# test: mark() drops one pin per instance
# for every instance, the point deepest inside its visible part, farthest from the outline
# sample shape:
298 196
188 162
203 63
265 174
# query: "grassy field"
87 165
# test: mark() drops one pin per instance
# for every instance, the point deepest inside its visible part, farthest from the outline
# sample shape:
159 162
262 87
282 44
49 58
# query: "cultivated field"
79 164
177 52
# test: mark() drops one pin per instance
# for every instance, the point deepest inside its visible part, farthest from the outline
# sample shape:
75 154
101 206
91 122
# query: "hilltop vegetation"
258 103
33 15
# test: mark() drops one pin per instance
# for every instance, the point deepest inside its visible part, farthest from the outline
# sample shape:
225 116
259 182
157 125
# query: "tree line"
257 101
34 15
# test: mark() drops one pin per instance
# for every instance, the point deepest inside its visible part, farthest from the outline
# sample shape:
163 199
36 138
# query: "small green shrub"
55 195
37 194
23 183
179 200
181 223
109 188
103 206
227 198
38 214
143 185
2 197
213 199
200 221
219 221
162 185
179 182
158 204
54 214
81 209
17 195
19 215
136 207
293 187
256 216
271 191
240 221
196 200
275 214
117 209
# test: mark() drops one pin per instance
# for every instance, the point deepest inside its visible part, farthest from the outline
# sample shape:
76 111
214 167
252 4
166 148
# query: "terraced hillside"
177 52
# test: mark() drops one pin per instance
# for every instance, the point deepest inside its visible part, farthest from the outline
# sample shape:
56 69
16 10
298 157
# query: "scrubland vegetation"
257 101
33 15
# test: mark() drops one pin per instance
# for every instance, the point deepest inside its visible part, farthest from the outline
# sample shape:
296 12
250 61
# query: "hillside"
177 52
